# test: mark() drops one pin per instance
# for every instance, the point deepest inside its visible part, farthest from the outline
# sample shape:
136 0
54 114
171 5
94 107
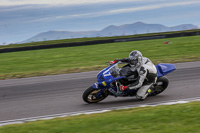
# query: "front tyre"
90 95
160 86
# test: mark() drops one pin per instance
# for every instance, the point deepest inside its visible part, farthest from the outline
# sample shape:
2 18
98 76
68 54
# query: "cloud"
119 11
65 2
151 7
21 19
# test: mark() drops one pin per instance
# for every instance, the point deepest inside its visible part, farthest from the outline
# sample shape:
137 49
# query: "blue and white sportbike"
110 78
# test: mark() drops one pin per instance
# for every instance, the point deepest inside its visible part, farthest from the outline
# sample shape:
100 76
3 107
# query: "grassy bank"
180 118
86 58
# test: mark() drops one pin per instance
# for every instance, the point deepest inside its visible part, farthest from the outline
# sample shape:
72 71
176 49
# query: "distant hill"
112 30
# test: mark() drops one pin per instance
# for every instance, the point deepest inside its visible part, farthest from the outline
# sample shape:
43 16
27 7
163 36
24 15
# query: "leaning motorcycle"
110 78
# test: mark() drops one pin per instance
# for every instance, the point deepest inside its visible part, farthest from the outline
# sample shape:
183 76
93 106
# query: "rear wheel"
160 86
90 95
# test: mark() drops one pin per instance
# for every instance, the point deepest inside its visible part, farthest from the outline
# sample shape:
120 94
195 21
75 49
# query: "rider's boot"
143 92
142 98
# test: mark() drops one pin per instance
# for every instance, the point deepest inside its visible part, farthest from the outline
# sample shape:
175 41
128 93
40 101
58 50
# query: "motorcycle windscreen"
164 69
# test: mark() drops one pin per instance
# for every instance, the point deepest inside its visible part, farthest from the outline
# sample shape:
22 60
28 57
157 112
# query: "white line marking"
47 117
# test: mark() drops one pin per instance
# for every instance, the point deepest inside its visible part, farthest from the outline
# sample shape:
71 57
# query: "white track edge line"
170 102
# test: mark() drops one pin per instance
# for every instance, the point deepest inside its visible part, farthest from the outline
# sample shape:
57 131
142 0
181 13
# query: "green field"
180 118
87 58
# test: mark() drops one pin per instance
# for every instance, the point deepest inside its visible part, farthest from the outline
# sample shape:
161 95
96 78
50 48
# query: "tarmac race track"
48 95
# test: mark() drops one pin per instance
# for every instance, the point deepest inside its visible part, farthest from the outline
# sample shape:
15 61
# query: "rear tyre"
160 86
89 96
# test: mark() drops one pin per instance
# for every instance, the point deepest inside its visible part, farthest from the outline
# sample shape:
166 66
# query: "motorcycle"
110 78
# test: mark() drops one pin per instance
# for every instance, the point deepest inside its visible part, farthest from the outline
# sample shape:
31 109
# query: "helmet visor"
133 62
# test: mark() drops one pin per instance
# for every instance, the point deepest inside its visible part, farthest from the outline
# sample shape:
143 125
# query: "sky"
23 19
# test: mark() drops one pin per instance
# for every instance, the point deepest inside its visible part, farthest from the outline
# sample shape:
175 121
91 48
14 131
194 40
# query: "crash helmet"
135 58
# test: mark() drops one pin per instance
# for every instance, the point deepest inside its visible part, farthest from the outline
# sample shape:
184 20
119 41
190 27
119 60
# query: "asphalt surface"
48 95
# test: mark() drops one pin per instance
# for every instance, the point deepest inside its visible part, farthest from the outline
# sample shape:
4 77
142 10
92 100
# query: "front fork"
100 92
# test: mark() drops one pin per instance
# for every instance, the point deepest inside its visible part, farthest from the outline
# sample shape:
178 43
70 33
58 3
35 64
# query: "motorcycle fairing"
164 69
100 75
105 83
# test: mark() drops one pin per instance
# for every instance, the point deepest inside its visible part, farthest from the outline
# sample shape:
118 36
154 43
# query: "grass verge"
86 58
179 118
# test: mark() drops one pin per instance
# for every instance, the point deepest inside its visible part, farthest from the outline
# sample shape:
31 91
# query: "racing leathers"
147 76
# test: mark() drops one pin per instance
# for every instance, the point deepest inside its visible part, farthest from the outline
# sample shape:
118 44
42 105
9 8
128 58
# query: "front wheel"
160 86
91 95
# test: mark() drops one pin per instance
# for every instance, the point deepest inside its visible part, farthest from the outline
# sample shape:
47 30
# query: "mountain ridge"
111 30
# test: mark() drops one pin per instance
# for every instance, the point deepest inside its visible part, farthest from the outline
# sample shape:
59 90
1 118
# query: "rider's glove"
122 88
113 62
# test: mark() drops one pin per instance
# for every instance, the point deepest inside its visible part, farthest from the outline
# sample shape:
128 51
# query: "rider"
147 73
